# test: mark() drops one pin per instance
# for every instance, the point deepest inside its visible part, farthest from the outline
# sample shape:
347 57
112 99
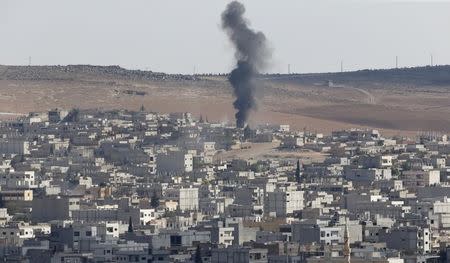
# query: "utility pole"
289 68
342 65
431 59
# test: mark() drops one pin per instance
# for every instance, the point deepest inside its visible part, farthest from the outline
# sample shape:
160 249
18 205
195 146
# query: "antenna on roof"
289 68
342 65
396 61
431 59
29 61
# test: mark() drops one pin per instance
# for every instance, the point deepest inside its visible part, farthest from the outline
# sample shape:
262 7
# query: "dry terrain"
263 151
400 105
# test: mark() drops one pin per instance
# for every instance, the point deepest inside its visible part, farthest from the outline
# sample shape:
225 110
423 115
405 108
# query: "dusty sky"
176 36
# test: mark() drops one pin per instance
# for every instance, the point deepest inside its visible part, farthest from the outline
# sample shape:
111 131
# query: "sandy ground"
270 150
395 111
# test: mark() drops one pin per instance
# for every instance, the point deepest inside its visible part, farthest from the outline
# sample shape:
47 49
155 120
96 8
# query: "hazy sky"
174 36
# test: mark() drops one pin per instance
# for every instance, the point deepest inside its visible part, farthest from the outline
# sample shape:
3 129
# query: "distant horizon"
225 73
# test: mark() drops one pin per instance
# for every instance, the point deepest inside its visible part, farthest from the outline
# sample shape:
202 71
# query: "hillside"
403 100
72 72
416 76
436 75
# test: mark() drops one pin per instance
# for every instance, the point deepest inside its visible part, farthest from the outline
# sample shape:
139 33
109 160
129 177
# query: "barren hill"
397 100
415 77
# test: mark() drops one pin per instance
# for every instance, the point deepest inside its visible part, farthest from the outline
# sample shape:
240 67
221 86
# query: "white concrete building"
86 181
188 199
4 216
330 235
223 236
146 216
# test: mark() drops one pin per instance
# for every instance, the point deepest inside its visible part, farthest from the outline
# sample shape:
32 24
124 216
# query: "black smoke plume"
251 55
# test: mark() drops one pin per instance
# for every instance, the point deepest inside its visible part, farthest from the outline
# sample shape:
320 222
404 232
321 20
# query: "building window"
76 234
88 233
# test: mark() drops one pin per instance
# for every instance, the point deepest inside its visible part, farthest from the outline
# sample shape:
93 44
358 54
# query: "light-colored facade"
188 199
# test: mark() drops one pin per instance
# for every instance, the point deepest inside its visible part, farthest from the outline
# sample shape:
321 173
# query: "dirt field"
392 109
270 150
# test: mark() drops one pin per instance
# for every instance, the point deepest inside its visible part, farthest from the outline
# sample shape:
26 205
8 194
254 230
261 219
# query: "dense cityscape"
135 186
224 131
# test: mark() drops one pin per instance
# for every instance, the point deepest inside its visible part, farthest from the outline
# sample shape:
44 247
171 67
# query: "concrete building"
239 255
14 146
18 180
188 200
53 208
282 203
416 179
409 239
174 162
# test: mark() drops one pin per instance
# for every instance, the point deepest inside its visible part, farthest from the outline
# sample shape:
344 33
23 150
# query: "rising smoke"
251 55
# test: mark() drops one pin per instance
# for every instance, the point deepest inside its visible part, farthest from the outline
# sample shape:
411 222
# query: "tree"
395 172
130 225
297 172
198 255
154 201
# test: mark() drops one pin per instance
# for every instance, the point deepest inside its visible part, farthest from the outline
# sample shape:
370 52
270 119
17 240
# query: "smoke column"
251 53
